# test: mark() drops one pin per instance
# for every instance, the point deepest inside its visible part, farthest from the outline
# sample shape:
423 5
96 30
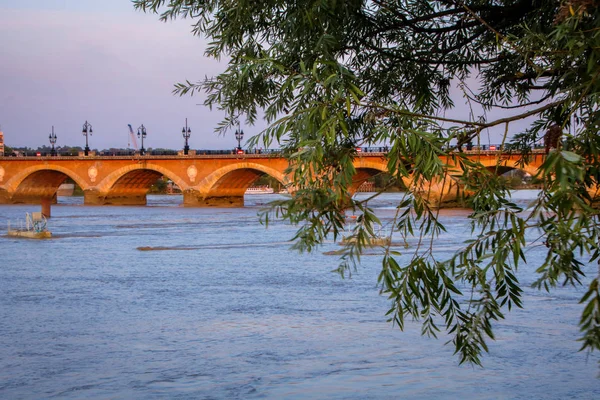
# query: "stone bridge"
205 180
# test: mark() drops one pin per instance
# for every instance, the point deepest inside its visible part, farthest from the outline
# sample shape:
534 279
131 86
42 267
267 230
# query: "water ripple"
238 315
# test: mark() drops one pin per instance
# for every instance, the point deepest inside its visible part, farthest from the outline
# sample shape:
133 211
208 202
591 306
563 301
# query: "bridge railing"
132 153
233 152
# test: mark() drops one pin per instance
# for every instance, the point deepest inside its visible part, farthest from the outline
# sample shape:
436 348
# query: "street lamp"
186 135
52 138
239 135
87 129
142 134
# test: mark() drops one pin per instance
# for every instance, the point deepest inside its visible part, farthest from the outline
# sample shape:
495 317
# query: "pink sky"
63 62
65 65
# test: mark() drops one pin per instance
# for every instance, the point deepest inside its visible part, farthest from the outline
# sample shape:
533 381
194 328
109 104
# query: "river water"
227 311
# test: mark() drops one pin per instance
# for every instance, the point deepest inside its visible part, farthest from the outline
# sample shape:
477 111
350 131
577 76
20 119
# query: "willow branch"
478 125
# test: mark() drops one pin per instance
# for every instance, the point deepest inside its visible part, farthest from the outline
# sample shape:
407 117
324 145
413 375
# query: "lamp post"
239 135
186 135
87 129
142 134
52 138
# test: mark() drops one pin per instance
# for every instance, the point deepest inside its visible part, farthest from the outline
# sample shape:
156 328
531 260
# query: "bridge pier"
126 200
30 199
193 198
94 198
44 201
46 206
4 196
445 193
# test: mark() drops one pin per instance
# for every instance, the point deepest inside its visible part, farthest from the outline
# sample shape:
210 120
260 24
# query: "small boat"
35 227
259 190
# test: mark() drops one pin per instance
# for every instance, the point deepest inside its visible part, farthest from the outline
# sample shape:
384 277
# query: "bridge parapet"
162 157
205 179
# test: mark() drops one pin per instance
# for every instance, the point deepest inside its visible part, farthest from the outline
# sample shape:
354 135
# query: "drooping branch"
479 125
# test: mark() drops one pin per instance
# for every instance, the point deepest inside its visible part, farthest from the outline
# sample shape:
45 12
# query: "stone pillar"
443 193
92 197
193 198
46 205
223 201
4 196
125 200
190 198
32 198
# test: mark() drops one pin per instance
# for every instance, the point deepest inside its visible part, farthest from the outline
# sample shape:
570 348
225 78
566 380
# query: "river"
227 311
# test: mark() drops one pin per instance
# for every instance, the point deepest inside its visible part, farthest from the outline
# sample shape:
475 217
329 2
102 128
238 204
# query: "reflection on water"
238 315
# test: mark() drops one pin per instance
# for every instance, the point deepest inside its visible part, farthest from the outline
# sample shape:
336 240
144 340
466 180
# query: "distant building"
1 144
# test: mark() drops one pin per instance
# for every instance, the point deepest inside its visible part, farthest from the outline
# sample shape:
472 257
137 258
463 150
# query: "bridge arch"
505 165
367 168
226 186
13 184
40 181
238 177
130 184
362 175
109 181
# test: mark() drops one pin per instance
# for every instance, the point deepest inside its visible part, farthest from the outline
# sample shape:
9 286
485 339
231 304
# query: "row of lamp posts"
141 133
87 131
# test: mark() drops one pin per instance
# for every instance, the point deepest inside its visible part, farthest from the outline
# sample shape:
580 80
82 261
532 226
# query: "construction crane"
131 138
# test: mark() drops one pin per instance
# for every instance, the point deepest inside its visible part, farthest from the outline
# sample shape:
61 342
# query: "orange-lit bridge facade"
205 180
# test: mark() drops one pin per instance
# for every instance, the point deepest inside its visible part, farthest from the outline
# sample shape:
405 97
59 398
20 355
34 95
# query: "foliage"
332 75
160 186
266 180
